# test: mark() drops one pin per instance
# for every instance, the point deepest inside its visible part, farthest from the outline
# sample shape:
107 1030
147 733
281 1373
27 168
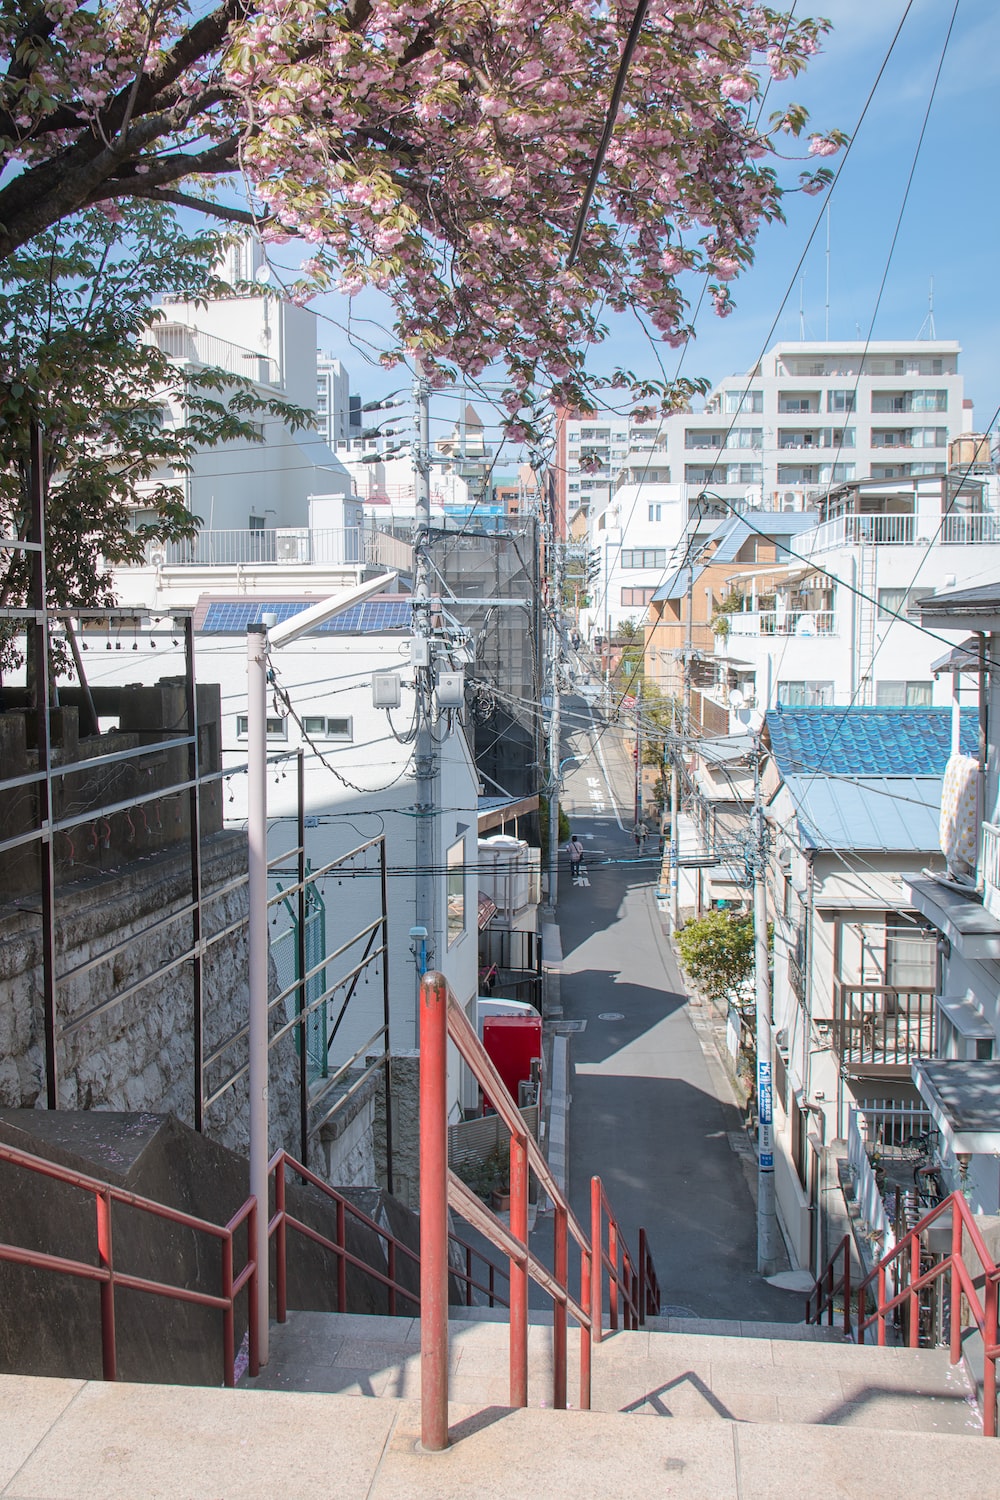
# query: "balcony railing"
191 346
990 868
880 1025
959 529
804 622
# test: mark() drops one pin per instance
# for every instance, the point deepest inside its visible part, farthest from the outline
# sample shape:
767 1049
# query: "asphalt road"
651 1113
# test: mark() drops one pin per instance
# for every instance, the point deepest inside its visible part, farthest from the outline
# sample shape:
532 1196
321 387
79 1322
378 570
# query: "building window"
655 512
637 596
748 401
903 694
900 601
805 694
277 729
835 473
840 400
644 557
319 727
456 891
745 437
798 401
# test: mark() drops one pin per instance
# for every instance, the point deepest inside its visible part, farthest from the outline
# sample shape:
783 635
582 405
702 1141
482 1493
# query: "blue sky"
948 230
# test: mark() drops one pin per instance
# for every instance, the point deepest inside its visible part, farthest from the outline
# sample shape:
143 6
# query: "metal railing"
958 528
989 868
882 1024
442 1018
182 342
110 1279
915 1271
803 622
829 1285
243 548
460 1266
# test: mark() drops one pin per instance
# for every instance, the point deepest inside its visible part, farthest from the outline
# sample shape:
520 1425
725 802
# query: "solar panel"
231 617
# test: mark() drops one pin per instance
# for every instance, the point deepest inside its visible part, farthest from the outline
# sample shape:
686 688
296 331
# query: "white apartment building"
334 404
634 541
839 624
808 416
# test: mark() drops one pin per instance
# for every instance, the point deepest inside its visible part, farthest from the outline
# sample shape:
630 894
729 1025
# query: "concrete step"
74 1440
691 1376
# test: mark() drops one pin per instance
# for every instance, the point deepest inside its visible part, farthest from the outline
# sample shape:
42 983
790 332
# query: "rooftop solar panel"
231 617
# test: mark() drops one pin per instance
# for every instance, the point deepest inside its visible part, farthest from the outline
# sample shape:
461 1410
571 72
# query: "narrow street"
651 1109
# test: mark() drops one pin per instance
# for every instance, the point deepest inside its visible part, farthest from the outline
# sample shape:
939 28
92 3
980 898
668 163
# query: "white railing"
899 530
281 546
990 868
801 622
964 530
190 345
867 1194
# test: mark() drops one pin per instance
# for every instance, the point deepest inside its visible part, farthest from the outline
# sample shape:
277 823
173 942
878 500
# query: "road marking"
595 733
611 1015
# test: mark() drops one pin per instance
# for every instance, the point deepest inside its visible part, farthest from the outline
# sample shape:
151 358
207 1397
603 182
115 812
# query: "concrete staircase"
676 1368
755 1412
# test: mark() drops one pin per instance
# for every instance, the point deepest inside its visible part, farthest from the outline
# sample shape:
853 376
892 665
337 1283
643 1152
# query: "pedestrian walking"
575 851
639 834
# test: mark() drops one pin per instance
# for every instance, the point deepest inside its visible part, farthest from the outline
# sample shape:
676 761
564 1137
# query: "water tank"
505 872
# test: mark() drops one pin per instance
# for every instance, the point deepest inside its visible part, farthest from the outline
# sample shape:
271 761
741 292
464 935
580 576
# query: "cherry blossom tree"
435 149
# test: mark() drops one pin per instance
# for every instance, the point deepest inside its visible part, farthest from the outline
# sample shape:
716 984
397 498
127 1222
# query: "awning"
867 890
961 658
487 910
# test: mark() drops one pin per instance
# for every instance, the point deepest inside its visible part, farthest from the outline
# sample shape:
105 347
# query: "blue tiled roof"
866 741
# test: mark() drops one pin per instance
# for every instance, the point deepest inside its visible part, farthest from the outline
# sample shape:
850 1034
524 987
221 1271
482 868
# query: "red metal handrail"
634 1281
281 1221
104 1273
442 1018
829 1285
903 1260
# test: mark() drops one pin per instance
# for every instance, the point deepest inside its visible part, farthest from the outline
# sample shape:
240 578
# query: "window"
695 437
277 729
910 954
929 437
322 728
456 891
835 473
840 400
749 401
698 474
899 601
637 596
644 557
746 437
929 401
836 437
655 512
805 694
798 401
903 694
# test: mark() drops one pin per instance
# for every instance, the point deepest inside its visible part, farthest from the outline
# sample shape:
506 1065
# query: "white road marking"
596 739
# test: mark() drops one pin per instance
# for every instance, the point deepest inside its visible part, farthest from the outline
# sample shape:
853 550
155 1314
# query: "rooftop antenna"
826 329
928 322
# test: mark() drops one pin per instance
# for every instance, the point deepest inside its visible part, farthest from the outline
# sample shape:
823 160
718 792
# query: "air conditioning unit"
292 546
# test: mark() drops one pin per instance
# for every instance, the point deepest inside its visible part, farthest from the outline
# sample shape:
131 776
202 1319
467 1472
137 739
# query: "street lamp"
261 640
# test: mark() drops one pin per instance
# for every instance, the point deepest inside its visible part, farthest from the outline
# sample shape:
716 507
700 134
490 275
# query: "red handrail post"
518 1273
561 1263
955 1340
586 1263
253 1317
391 1267
281 1248
990 1309
880 1312
642 1297
612 1273
847 1287
341 1258
228 1316
433 1213
468 1276
914 1297
596 1260
105 1253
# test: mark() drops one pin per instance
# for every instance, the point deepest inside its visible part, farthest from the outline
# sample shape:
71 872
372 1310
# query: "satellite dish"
736 700
262 275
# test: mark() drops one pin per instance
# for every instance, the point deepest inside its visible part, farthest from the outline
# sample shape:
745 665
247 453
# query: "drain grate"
611 1015
566 1028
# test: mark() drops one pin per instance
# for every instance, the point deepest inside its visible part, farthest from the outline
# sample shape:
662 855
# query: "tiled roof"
865 741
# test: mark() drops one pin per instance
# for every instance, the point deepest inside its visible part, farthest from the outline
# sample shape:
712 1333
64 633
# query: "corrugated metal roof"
866 741
893 814
677 585
731 535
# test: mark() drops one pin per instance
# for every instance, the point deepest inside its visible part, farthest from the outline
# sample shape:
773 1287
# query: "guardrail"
282 1220
442 1018
904 1267
109 1279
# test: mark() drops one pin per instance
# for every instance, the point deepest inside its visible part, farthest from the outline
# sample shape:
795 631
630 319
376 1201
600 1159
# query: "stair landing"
778 1373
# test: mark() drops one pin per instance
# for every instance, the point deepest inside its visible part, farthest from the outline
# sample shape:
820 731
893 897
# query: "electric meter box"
387 690
451 690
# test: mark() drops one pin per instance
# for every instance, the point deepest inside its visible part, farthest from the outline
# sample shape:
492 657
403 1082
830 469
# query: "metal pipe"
433 1213
257 957
767 1220
194 817
105 1255
387 1064
301 958
596 1261
561 1265
518 1273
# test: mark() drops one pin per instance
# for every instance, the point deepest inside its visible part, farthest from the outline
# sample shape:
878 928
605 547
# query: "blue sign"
764 1113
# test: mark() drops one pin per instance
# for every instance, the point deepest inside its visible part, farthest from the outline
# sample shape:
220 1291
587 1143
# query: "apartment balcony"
959 529
282 547
192 347
989 868
881 1027
801 622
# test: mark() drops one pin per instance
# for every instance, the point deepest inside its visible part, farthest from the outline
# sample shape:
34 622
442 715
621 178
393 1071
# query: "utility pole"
767 1221
422 659
675 847
638 751
555 720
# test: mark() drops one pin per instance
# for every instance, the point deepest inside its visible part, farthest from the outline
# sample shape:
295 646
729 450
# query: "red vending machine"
513 1043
